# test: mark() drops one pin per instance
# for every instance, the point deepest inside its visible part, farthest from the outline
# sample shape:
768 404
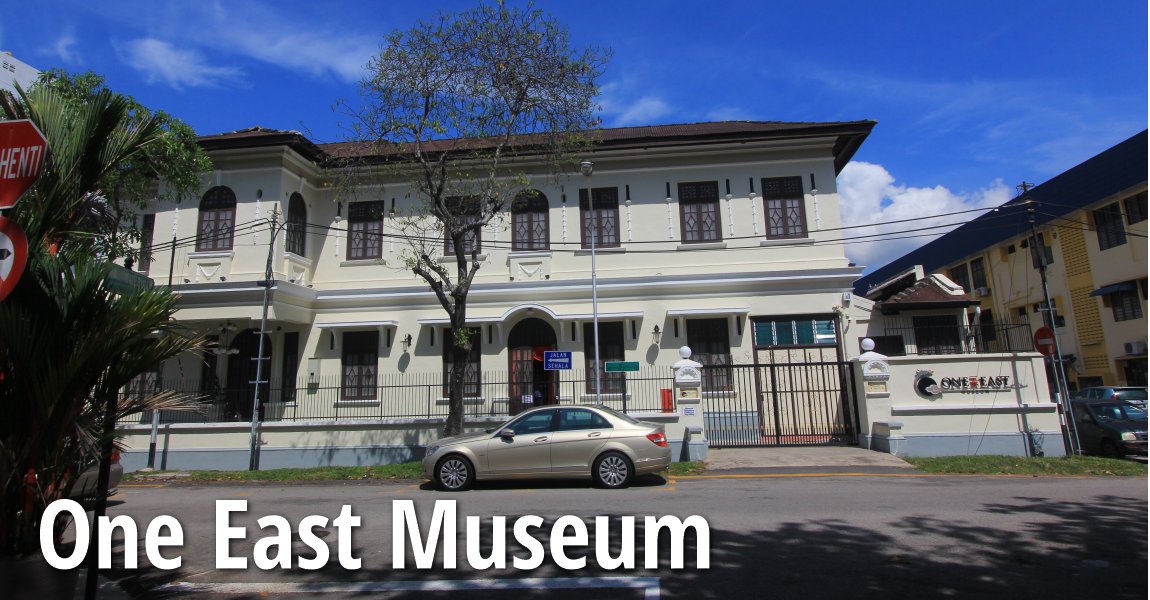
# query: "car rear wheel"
612 470
1110 449
454 474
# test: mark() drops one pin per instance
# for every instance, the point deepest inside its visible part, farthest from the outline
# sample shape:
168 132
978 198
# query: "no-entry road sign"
13 255
1044 341
22 150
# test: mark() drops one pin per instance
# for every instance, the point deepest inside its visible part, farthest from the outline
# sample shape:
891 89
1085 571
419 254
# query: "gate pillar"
689 399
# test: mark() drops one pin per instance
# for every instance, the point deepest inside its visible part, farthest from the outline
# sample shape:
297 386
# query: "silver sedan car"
553 442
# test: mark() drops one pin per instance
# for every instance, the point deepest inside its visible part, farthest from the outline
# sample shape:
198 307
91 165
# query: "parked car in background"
552 442
1135 395
1112 429
85 486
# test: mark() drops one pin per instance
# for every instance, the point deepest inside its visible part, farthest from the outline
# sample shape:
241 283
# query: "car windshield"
617 414
1131 393
1116 411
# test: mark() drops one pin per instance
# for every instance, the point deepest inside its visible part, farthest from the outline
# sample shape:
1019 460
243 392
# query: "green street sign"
121 280
621 366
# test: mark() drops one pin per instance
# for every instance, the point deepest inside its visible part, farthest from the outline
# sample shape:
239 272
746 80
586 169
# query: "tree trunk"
458 378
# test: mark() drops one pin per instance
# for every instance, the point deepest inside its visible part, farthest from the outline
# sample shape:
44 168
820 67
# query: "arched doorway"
526 343
242 373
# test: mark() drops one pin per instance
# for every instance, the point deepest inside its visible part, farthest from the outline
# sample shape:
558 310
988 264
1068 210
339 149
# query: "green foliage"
1022 465
466 107
163 148
67 343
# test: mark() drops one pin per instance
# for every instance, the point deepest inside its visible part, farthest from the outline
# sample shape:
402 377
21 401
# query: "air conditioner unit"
982 292
1135 347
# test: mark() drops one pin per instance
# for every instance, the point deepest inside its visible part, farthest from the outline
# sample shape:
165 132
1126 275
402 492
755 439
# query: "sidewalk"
797 459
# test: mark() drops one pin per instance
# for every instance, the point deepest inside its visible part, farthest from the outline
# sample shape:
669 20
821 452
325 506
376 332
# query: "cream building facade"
721 236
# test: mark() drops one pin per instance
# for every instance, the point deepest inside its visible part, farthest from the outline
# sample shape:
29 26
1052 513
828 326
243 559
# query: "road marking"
649 586
143 485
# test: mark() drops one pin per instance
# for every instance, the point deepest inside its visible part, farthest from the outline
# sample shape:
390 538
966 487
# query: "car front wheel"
1110 449
454 474
612 470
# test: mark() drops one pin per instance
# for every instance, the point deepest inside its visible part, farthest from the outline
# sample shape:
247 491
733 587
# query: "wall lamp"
406 341
656 335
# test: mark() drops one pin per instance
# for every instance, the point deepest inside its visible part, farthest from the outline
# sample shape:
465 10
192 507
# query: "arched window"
297 225
217 220
529 221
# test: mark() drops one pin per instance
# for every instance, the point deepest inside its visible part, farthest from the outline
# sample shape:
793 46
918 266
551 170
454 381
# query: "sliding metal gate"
780 404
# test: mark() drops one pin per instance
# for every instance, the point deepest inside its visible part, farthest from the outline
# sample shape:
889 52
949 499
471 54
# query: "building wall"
1089 330
652 280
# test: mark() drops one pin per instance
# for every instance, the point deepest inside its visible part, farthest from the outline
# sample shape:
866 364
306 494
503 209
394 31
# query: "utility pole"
266 283
1038 253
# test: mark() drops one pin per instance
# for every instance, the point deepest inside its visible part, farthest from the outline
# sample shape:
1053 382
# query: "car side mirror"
507 434
1087 418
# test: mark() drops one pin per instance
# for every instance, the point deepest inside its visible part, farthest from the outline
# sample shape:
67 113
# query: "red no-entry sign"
22 150
13 255
1044 341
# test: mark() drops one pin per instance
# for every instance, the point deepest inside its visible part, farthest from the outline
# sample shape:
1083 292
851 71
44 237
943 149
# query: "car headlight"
1129 436
431 450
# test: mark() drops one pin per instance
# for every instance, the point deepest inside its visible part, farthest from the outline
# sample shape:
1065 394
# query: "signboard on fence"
557 360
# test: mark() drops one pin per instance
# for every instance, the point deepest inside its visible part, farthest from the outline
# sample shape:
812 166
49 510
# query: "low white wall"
226 446
987 404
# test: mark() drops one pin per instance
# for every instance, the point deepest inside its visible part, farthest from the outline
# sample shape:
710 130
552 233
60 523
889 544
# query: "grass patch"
1021 465
693 467
410 470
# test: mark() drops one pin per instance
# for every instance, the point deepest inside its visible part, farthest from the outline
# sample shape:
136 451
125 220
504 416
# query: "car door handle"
595 434
541 438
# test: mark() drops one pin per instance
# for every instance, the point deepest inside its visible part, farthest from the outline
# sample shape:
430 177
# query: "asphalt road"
770 537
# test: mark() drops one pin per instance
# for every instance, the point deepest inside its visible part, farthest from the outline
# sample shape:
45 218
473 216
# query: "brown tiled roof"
850 136
925 293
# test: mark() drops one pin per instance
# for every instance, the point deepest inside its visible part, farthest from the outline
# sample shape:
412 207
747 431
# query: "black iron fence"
418 395
945 335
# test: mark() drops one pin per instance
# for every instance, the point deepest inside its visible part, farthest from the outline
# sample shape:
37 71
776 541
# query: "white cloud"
869 196
729 113
63 49
623 106
164 63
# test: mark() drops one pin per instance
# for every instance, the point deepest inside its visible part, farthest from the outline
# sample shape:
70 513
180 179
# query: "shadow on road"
1096 548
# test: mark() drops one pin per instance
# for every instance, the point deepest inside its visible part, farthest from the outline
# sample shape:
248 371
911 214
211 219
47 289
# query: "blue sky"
970 97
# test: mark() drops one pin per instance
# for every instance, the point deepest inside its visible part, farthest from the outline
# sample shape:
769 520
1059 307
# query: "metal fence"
417 395
928 336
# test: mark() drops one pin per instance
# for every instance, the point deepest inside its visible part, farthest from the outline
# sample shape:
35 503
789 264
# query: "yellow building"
1090 223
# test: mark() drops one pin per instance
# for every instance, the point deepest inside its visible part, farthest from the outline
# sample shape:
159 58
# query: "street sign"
620 366
1044 341
13 255
22 150
557 360
122 280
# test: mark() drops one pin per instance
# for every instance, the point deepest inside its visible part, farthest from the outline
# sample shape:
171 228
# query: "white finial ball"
867 344
685 352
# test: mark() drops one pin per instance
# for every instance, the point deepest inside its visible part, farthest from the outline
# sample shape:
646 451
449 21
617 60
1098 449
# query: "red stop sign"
22 150
1044 341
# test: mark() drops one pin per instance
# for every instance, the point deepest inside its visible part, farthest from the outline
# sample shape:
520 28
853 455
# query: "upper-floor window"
296 235
960 275
147 234
529 225
1135 207
783 206
1126 305
699 212
1108 226
978 273
365 230
464 212
217 220
600 217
